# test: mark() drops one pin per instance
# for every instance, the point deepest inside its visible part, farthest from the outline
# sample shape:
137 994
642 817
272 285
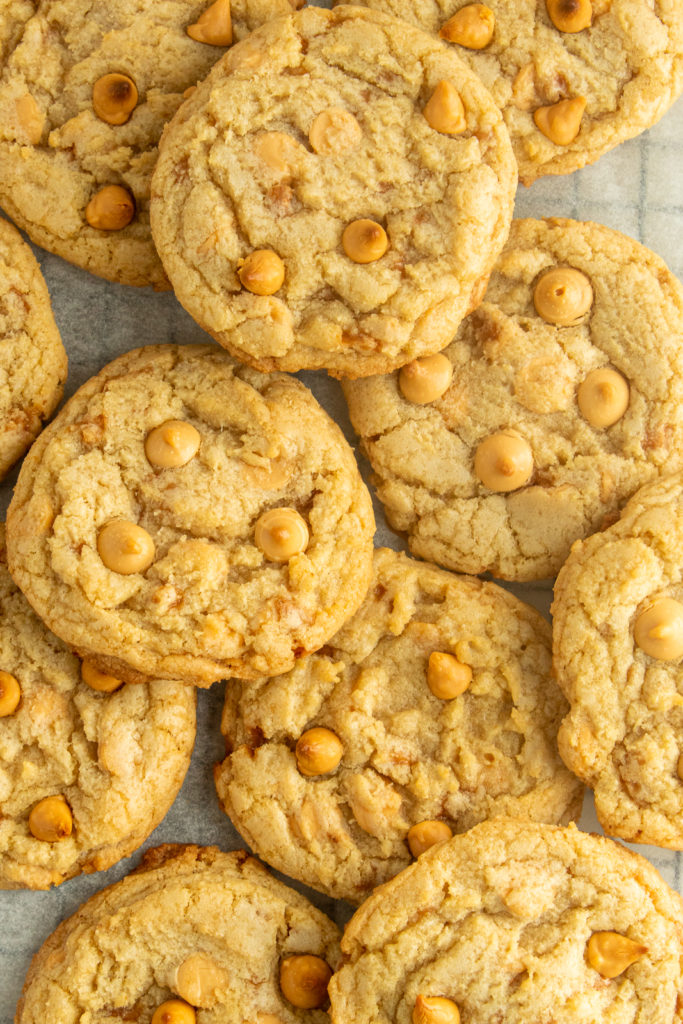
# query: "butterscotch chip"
125 547
562 296
414 768
435 1010
262 272
51 819
10 694
30 118
174 1011
110 209
658 630
364 241
214 26
445 111
281 533
172 444
561 122
603 397
611 953
334 131
304 981
100 681
114 98
570 15
426 379
201 981
503 462
447 677
472 26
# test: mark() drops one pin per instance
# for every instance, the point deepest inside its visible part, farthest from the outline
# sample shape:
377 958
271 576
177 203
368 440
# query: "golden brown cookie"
334 194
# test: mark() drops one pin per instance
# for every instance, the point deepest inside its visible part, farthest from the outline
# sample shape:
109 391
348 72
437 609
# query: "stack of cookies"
333 190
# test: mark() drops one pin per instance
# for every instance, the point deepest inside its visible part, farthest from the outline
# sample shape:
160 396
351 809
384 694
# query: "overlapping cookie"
187 518
192 934
334 194
618 654
85 90
559 397
432 709
88 767
573 77
32 358
516 922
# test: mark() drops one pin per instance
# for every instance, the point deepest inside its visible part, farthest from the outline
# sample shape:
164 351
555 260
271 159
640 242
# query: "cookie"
32 358
85 90
573 78
187 518
558 398
334 194
88 767
516 922
432 709
191 926
618 654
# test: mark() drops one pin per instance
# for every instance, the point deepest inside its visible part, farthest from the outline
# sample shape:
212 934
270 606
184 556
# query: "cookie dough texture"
498 919
118 759
33 362
623 735
118 955
513 372
238 173
211 604
628 66
55 153
408 755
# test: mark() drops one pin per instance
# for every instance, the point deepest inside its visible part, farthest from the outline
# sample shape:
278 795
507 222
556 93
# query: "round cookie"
85 773
573 78
33 362
533 428
516 922
434 704
189 518
62 141
334 194
191 925
618 654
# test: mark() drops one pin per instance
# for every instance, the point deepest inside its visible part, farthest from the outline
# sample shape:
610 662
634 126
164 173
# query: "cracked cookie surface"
33 362
515 374
190 921
408 755
313 123
623 733
56 152
627 65
117 758
499 922
207 602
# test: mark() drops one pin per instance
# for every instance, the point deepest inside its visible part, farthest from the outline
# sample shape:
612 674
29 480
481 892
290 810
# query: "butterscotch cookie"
192 928
85 90
558 398
432 709
618 653
88 766
32 358
573 78
189 518
516 922
334 194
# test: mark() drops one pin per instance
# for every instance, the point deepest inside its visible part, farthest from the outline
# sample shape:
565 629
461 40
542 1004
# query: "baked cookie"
618 654
85 90
559 397
516 922
32 358
573 78
189 518
191 928
88 767
432 709
334 194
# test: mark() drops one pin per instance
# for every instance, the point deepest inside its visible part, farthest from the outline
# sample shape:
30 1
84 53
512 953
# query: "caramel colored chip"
446 676
277 150
97 680
334 131
435 1010
200 981
570 15
281 533
561 122
444 110
425 379
214 26
125 547
304 980
603 397
31 118
611 953
51 819
174 1011
658 630
114 98
172 444
427 834
679 767
110 209
10 694
562 296
262 272
472 27
364 241
503 462
318 751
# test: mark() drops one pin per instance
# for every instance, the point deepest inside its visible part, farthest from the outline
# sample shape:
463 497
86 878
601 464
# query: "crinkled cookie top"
207 599
518 375
315 122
